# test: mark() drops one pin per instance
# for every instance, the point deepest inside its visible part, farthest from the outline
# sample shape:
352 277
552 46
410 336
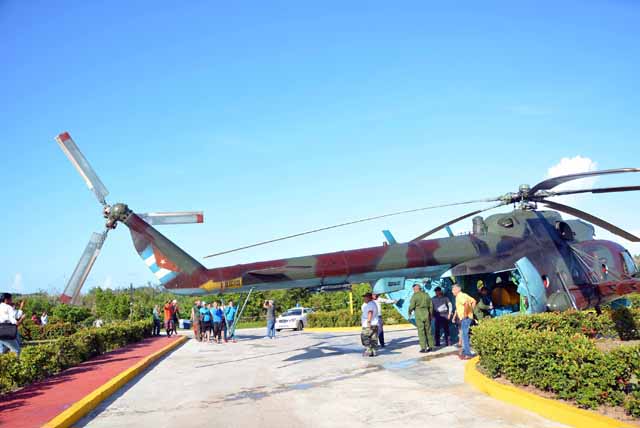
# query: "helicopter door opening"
496 292
532 286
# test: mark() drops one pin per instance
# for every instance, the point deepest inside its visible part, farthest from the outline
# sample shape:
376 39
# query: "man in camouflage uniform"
423 307
369 335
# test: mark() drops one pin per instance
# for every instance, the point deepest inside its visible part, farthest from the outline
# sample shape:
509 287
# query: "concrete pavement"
307 379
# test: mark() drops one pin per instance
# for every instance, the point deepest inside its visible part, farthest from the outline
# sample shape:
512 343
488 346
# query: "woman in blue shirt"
205 321
217 315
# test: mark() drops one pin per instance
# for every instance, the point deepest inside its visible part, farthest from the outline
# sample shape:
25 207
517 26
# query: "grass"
251 324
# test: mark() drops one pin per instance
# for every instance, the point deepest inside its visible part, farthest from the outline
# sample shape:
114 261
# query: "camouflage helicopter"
532 260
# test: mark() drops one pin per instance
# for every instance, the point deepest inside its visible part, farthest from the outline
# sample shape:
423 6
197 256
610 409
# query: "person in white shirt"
379 301
369 318
8 315
44 319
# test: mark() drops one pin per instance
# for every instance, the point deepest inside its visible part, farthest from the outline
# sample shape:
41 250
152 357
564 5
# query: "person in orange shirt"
168 317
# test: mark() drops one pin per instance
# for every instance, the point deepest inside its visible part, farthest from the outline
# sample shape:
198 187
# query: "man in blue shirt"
230 316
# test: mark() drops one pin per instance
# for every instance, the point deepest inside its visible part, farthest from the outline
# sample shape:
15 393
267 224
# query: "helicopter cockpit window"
506 222
629 264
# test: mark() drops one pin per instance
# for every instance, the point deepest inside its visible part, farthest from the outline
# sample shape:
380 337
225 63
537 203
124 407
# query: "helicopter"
532 260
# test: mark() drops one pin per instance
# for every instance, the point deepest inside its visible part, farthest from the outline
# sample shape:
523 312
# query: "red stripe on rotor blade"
199 218
65 299
64 136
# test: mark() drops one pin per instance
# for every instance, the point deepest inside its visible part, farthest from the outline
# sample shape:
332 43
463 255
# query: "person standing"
271 318
156 321
230 316
176 316
35 318
484 306
422 306
205 321
195 320
442 311
168 317
216 316
369 320
44 319
8 315
379 301
464 310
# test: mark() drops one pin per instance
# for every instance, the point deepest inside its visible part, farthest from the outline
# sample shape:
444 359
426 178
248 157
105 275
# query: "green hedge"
333 319
343 318
557 353
31 331
41 361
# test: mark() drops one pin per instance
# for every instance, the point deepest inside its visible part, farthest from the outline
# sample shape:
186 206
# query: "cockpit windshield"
629 264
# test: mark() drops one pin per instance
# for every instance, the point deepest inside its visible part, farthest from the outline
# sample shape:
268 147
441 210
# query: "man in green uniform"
423 308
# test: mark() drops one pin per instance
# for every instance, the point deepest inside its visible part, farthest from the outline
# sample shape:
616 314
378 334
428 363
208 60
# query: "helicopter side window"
564 230
506 222
629 265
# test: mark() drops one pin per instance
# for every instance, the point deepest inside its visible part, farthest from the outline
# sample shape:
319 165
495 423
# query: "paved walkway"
36 404
310 380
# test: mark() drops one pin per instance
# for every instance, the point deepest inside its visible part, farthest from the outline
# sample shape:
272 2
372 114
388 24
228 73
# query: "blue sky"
281 116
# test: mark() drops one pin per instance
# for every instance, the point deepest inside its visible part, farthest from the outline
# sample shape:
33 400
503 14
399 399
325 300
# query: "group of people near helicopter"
213 321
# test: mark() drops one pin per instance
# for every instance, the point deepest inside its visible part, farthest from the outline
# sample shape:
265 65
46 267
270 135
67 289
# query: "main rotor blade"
599 190
450 222
79 276
592 219
81 163
362 220
177 217
550 183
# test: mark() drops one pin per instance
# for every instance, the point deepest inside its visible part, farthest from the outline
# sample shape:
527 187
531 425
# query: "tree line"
137 303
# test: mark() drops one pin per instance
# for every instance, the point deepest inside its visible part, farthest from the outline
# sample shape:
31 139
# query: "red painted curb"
36 404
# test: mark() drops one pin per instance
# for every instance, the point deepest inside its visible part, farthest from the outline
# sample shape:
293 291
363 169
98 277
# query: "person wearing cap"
369 318
464 310
484 307
379 301
422 306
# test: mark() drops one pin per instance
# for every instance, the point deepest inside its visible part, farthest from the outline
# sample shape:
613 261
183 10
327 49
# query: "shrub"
31 331
41 361
632 405
333 319
556 353
70 313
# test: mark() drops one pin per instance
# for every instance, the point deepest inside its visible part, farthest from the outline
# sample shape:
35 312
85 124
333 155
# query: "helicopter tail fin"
169 263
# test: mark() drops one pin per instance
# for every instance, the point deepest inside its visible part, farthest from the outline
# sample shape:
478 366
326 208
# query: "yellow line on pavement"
551 409
83 406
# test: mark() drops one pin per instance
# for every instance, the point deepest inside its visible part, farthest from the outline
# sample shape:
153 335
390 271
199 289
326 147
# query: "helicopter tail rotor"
114 214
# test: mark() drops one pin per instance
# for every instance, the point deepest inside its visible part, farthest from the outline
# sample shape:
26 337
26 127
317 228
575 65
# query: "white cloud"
573 165
16 285
108 282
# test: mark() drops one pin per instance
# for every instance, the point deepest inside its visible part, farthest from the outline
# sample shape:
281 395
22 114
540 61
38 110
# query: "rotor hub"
115 213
